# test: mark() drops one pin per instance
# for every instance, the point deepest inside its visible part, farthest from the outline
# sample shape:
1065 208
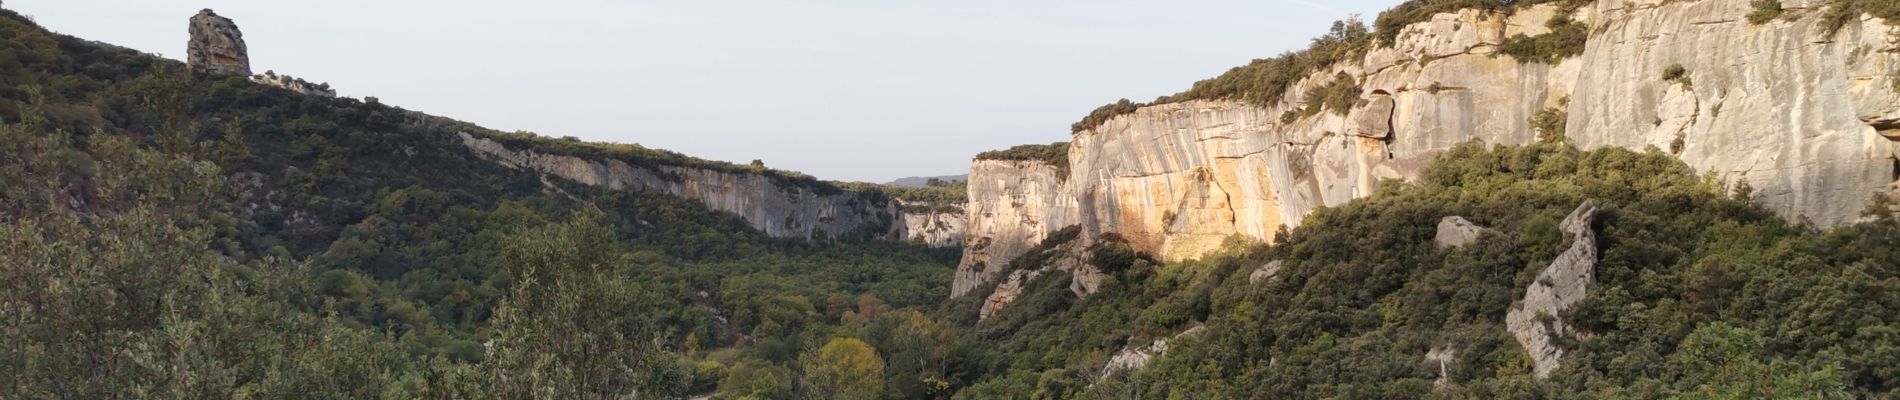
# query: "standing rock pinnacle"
216 46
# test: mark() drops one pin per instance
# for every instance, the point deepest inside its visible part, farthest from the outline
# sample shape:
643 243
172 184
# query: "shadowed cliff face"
772 207
1795 113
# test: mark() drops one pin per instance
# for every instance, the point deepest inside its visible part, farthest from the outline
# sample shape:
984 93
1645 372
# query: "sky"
850 90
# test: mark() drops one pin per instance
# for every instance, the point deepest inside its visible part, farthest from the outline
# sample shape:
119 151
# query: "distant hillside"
921 181
166 233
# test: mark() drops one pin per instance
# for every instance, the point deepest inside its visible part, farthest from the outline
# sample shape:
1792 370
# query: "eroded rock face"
935 228
1013 206
1455 231
216 46
786 211
1537 320
1785 106
1797 115
1070 257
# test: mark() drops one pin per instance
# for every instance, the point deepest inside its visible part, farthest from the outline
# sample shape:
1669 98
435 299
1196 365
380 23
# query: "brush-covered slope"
1694 291
169 234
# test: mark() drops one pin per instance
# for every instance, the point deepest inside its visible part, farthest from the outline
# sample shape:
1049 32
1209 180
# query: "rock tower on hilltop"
216 46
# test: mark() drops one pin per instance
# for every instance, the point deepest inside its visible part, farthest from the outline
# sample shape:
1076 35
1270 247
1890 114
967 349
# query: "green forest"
172 235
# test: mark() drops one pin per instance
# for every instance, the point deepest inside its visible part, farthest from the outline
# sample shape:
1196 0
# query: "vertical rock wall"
778 210
1809 120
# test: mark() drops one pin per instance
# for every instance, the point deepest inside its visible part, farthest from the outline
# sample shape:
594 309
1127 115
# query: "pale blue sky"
857 90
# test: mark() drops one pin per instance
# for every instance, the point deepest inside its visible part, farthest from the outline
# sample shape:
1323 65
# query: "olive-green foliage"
1678 74
1765 11
1102 114
934 196
1697 294
1055 154
112 288
1549 124
1840 12
844 369
1337 95
1566 39
574 328
1392 21
1262 81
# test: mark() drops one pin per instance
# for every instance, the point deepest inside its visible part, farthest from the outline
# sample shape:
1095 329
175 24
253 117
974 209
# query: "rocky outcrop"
1444 356
1455 231
935 228
216 46
1265 272
1538 320
1136 358
1071 257
1013 206
771 206
1795 112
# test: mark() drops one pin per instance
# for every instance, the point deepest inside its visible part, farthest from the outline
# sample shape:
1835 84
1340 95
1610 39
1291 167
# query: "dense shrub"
1566 39
1549 124
1840 12
1678 74
1055 154
1764 11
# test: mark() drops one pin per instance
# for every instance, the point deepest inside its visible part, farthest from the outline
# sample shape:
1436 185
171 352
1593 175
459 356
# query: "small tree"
844 369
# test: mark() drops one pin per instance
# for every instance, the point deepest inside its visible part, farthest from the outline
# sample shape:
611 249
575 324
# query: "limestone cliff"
935 228
771 206
1014 204
1807 118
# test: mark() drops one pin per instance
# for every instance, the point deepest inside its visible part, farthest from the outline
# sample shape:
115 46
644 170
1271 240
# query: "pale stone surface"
1444 356
1537 320
1013 206
1792 111
775 209
216 46
1136 358
1455 232
935 229
1265 272
1798 115
1374 119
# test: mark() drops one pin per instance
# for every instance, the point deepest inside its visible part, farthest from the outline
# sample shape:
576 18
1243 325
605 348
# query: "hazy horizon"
843 90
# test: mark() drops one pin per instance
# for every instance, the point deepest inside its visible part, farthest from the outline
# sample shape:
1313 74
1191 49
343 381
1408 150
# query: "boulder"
1265 272
1455 232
